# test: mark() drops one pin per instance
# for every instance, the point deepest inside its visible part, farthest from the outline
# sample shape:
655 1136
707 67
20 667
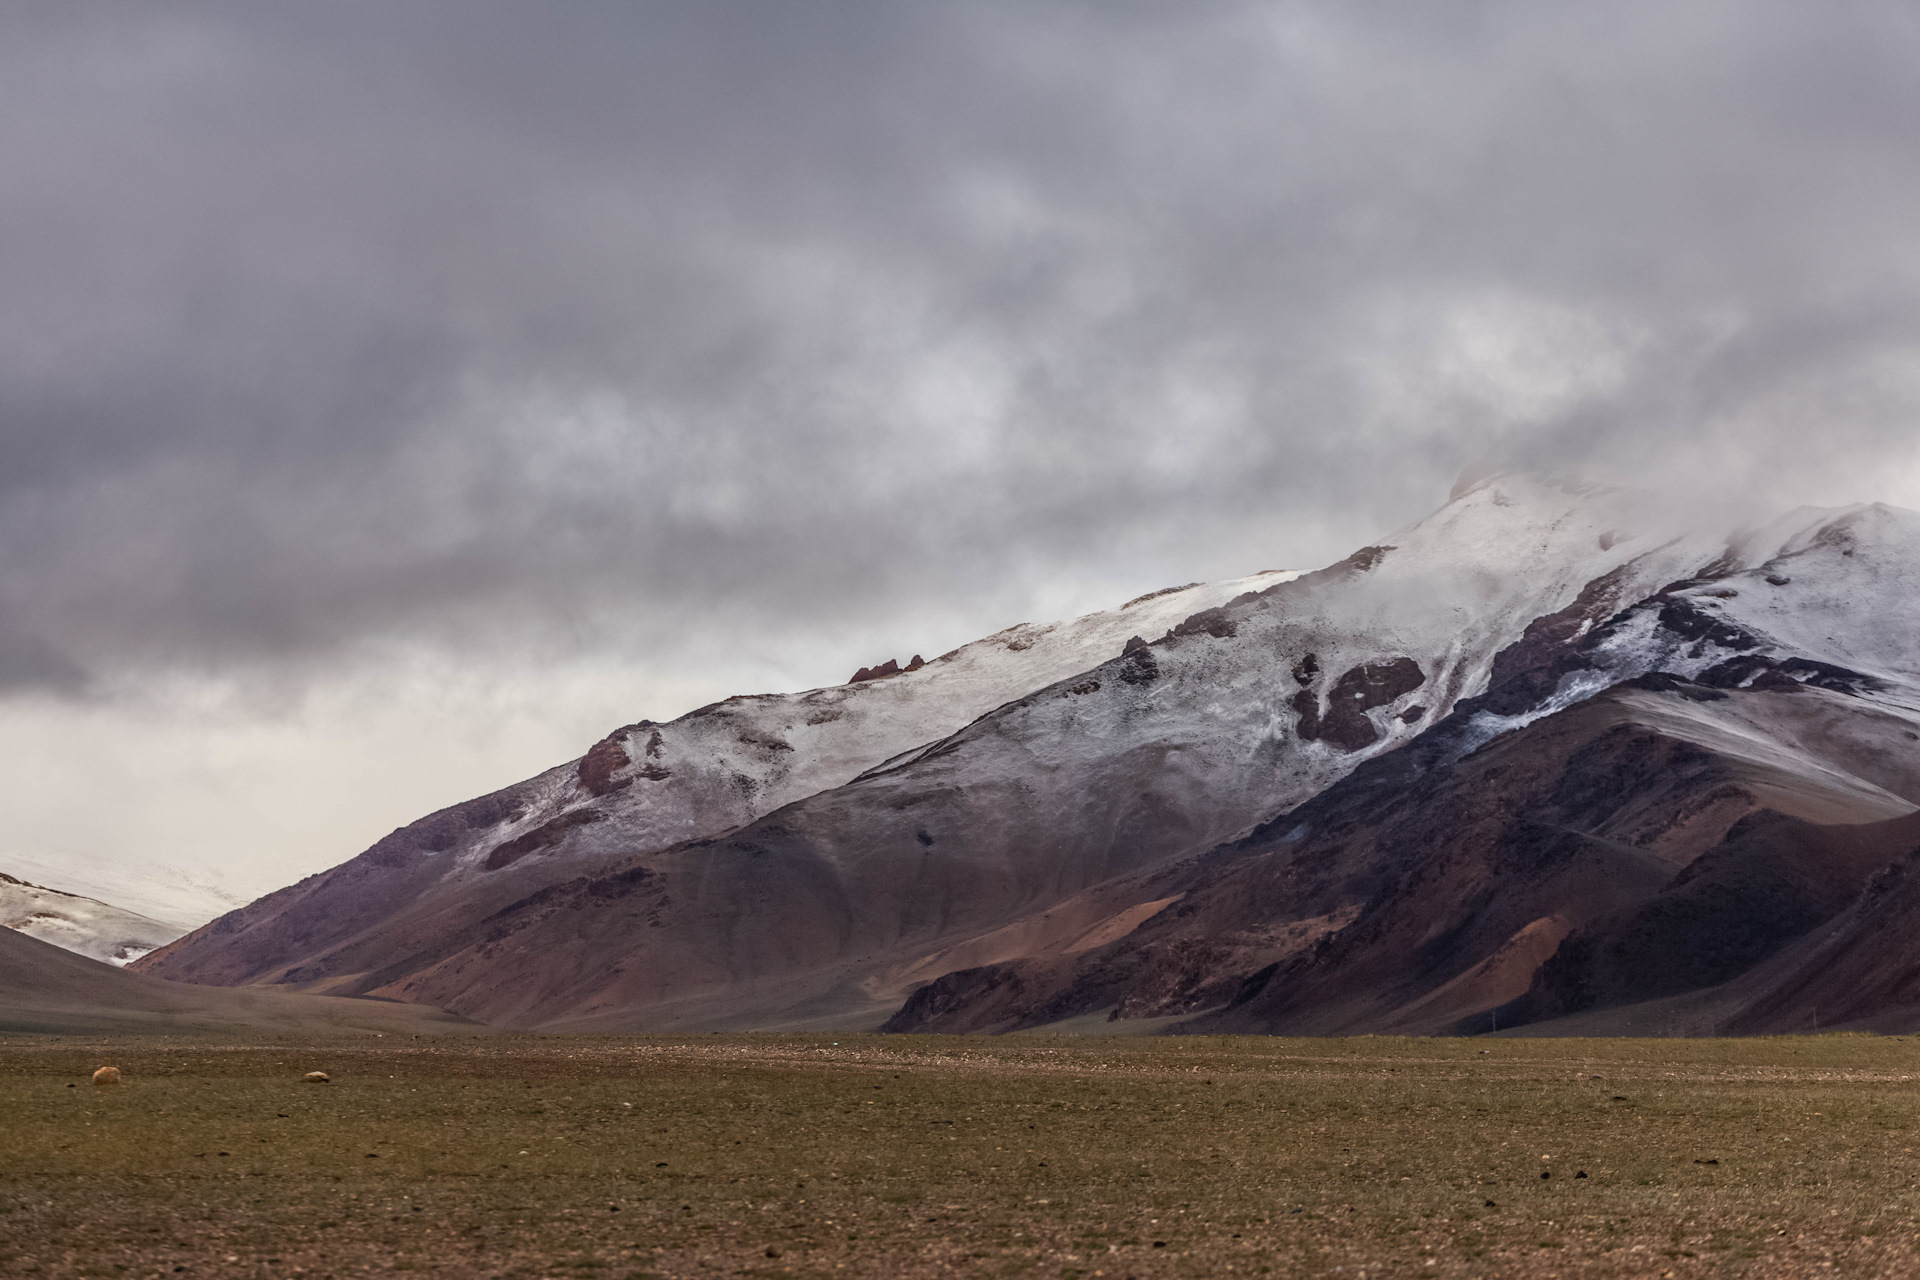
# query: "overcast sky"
395 396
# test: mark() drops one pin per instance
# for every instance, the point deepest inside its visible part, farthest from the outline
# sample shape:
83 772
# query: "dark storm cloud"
329 322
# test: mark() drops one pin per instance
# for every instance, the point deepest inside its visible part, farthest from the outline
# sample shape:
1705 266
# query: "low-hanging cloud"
599 325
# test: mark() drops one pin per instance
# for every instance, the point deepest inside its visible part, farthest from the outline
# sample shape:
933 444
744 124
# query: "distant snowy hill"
84 925
1550 755
161 891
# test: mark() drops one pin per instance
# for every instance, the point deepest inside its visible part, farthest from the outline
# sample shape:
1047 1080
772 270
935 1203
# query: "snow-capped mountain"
1644 823
648 786
1483 765
84 925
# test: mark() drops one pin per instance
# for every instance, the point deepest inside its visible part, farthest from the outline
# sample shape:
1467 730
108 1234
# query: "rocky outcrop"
891 667
603 761
1345 723
544 836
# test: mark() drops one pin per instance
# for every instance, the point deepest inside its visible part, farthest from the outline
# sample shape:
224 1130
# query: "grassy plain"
619 1158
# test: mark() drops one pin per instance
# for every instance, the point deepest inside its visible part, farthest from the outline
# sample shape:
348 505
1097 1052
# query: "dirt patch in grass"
907 1156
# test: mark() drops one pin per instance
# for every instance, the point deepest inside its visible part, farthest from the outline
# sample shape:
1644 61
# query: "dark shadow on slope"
1771 881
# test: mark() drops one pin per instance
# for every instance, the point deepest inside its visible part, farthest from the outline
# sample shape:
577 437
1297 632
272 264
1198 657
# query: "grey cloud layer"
323 323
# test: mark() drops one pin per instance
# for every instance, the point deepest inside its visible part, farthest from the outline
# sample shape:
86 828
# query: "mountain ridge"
1061 845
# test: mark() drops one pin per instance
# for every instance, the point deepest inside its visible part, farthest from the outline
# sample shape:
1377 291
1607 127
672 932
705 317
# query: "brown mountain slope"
1860 969
44 988
1422 903
1771 882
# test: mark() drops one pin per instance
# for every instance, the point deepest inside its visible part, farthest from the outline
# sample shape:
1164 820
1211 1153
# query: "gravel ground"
628 1157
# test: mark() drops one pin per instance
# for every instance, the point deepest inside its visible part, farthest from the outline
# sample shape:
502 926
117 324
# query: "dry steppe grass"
628 1157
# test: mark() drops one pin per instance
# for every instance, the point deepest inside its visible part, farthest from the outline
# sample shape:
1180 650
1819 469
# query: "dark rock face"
1137 664
1773 880
1362 561
544 836
891 667
438 832
1574 640
966 999
1757 671
1861 968
1683 618
606 758
1306 705
1194 974
1527 671
1218 623
1442 872
1345 723
1028 992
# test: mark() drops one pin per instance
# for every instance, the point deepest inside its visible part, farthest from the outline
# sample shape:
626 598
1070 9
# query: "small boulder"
316 1077
107 1075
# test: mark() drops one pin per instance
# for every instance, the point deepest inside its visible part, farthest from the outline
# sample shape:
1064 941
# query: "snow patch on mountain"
1783 601
1843 590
